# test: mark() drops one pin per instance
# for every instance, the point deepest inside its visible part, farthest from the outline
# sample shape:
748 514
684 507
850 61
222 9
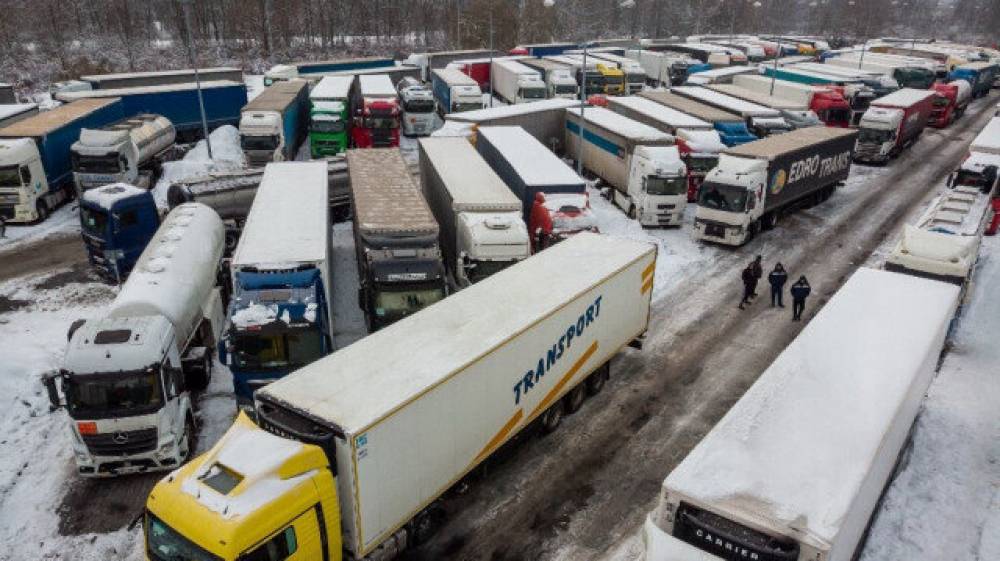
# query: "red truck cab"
700 152
832 108
557 216
376 124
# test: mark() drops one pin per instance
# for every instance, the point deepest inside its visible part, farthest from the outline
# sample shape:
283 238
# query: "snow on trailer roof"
691 107
379 85
8 110
506 111
385 200
454 77
660 112
294 196
332 87
796 448
727 71
763 99
772 146
621 125
118 92
904 97
456 161
357 386
531 160
988 139
48 121
730 103
181 72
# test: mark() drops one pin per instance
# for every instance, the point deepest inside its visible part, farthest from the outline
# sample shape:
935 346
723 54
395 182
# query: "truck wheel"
632 213
189 440
552 417
574 399
770 220
596 381
43 211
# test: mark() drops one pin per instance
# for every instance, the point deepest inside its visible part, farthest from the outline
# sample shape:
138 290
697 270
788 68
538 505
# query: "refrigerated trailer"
354 450
731 127
796 469
892 123
762 121
543 120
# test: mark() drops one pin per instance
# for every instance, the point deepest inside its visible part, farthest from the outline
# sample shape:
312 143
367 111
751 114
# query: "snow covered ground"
65 219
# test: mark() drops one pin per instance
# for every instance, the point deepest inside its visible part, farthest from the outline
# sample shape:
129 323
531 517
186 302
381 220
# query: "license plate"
715 230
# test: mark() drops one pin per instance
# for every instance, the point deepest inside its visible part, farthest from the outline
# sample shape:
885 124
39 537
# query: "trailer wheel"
574 399
770 220
552 417
596 381
632 213
43 211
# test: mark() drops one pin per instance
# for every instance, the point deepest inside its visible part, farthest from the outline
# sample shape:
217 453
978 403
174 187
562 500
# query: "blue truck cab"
734 133
116 222
980 75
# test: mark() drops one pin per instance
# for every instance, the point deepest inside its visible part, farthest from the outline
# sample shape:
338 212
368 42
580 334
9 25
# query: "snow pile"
228 156
63 220
255 315
454 129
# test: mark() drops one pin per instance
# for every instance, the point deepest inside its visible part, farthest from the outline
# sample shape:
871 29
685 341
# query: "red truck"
557 216
892 123
376 112
700 151
950 104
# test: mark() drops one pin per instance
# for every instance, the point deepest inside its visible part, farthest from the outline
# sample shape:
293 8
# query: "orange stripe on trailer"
649 270
554 392
499 437
647 286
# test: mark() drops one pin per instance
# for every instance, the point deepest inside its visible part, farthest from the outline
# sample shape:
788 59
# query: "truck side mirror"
55 402
751 202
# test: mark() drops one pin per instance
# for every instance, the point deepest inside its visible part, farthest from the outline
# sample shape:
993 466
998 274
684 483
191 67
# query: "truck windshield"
467 106
565 89
533 93
419 106
248 142
96 164
941 101
720 196
256 351
96 396
381 123
656 185
93 220
838 116
701 164
328 126
484 269
397 301
874 136
163 543
10 177
614 80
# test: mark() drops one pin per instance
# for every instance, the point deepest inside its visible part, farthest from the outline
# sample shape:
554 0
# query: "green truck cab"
328 128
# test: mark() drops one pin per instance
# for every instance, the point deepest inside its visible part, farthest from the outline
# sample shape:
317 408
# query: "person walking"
758 272
800 291
749 284
777 278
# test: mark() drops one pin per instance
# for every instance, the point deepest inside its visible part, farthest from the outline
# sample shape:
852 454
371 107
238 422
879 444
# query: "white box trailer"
408 411
795 469
762 121
543 120
988 139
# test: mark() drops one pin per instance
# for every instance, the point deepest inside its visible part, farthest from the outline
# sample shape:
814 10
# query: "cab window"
278 548
25 176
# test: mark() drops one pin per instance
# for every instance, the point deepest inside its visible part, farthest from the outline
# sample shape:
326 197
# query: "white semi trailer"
795 470
127 376
516 83
129 151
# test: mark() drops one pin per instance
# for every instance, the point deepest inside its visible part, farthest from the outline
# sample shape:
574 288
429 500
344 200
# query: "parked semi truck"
419 108
593 81
648 180
455 92
293 70
811 447
161 77
36 172
982 76
482 229
376 111
479 68
951 102
906 74
796 114
829 105
428 62
328 117
552 197
754 184
516 83
665 68
559 82
396 239
762 121
540 50
128 151
731 127
127 376
179 103
116 223
275 123
543 120
892 123
635 76
697 141
723 75
280 317
431 403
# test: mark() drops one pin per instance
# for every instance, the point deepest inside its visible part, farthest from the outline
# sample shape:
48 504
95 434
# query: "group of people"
777 278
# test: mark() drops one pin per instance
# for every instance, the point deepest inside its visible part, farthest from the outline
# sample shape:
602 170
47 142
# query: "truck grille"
121 443
728 539
866 151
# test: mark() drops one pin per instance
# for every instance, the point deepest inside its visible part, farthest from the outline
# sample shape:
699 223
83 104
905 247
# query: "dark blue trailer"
543 49
343 65
178 102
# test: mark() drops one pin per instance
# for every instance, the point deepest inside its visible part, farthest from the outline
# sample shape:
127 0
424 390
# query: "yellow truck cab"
211 509
614 79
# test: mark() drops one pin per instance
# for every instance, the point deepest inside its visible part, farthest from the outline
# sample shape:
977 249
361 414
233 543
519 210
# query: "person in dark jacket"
777 278
800 291
749 284
758 272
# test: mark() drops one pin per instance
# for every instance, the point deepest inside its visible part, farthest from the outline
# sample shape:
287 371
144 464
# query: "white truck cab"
121 153
561 84
419 111
530 88
23 184
731 182
877 135
657 187
261 136
489 242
